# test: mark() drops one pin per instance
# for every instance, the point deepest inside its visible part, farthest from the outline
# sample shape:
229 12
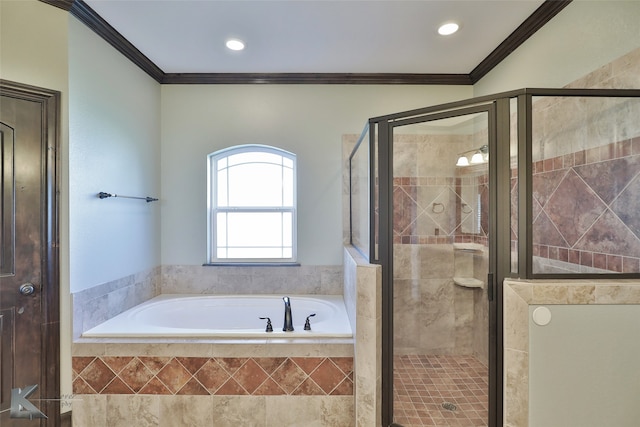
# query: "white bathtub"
227 316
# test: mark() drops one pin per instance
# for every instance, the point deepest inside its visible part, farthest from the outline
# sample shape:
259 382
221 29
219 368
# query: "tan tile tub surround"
221 376
213 383
95 305
163 382
362 292
518 295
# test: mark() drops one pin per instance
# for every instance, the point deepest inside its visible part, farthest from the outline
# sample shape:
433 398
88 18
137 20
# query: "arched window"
252 205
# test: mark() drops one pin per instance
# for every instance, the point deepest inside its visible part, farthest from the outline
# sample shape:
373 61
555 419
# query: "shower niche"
471 211
464 257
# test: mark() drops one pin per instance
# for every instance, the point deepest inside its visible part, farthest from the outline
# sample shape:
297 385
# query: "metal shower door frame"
499 174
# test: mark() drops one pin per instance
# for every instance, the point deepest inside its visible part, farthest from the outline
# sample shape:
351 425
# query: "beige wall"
114 146
33 44
584 36
307 120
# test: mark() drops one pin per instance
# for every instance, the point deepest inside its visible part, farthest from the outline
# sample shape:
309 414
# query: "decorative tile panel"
224 376
432 210
586 205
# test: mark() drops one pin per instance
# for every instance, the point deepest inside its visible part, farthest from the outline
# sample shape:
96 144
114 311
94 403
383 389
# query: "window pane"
287 187
221 231
255 235
244 253
254 157
223 196
255 184
287 228
254 229
222 163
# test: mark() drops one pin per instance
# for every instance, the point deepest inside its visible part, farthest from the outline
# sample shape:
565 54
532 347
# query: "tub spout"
288 319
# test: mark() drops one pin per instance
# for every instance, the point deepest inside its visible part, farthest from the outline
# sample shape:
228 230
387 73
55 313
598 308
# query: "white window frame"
213 209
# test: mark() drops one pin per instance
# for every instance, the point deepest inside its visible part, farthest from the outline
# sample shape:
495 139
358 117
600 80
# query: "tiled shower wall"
440 210
585 209
586 166
585 184
436 205
434 201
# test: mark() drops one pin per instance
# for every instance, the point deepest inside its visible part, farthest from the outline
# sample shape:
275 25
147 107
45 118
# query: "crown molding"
93 21
317 78
533 23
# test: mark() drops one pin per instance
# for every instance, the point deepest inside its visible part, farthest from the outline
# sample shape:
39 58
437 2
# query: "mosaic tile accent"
585 207
443 391
222 376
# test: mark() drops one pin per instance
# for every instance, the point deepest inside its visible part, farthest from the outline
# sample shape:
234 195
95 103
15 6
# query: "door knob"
27 289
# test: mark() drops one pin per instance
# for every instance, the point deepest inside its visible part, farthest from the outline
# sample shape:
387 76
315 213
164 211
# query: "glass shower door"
440 269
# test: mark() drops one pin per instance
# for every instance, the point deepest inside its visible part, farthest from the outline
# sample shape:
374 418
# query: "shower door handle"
490 287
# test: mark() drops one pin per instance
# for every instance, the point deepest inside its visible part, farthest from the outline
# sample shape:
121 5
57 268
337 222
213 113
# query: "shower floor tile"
440 391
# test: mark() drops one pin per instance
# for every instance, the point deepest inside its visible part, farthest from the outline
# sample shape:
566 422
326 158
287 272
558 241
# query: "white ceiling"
314 36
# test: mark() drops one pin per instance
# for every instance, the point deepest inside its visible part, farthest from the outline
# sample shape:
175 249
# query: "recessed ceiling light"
448 28
235 44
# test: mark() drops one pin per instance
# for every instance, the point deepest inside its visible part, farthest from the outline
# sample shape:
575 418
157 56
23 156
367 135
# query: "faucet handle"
269 326
307 324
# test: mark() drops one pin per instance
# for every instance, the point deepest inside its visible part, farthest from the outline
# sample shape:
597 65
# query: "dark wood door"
29 319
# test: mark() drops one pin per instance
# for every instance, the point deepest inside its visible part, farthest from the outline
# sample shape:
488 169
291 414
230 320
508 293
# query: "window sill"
252 264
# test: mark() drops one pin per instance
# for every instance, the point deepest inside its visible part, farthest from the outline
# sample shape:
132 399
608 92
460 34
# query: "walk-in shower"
452 199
